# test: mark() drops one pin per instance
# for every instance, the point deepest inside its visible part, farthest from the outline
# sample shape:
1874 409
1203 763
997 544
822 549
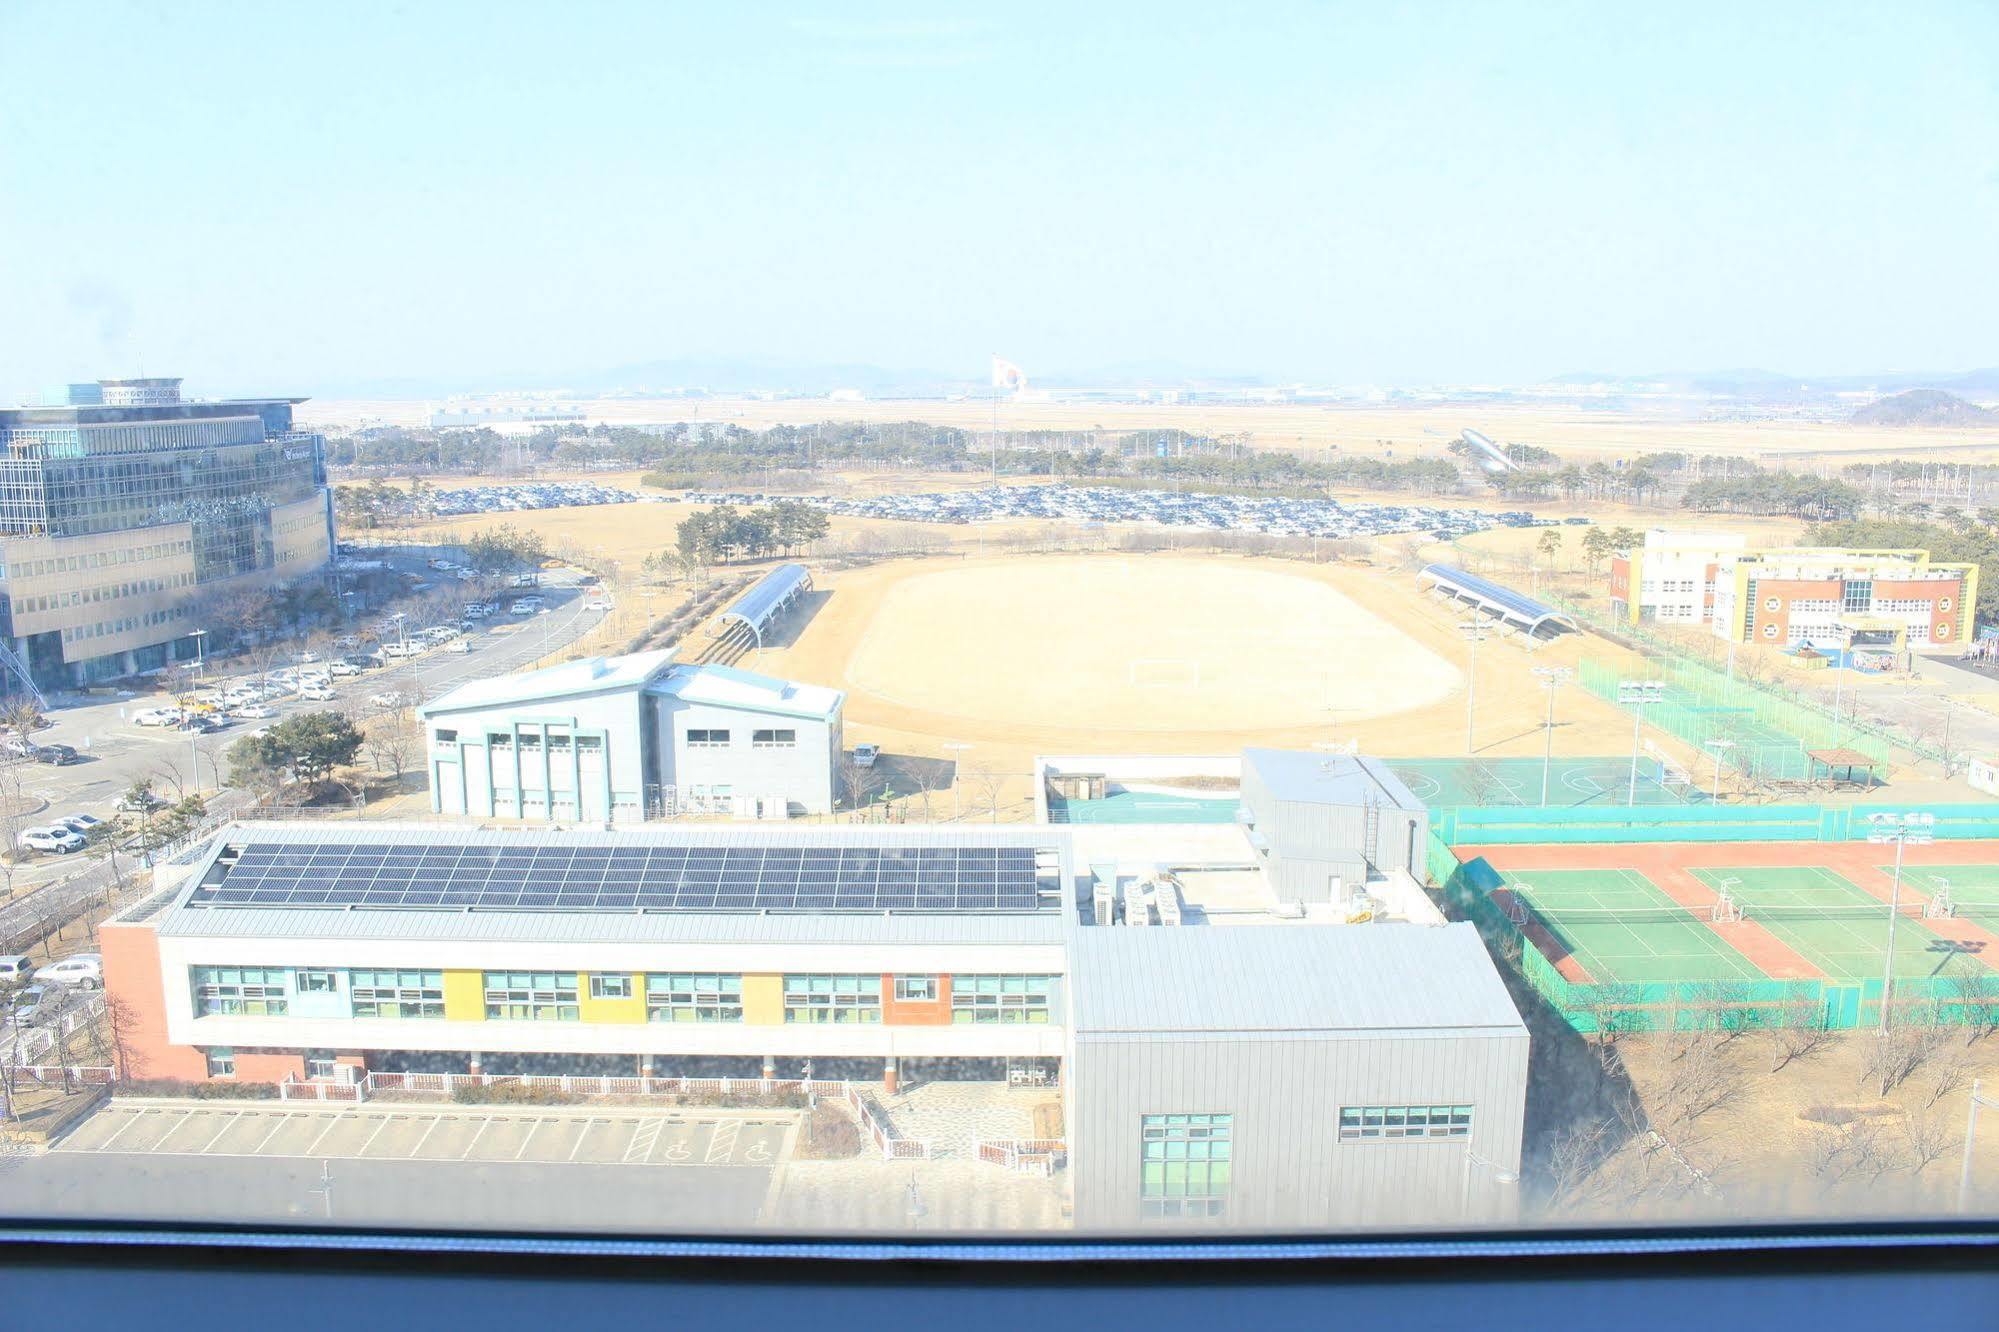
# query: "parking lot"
491 1135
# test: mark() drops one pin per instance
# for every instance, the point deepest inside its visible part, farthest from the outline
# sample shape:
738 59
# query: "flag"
1007 375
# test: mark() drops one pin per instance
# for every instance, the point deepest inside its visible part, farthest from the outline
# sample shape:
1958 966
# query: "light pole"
200 660
1474 632
1978 1099
1636 695
1901 829
1500 1175
1552 679
1720 747
957 809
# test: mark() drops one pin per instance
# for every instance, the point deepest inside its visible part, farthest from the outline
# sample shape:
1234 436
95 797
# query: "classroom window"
1184 1164
531 996
832 998
316 982
239 991
707 739
1365 1123
916 989
1004 999
319 1065
611 987
704 997
221 1061
785 739
396 994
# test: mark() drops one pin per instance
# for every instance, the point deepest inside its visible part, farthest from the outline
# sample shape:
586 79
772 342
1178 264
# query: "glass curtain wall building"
122 510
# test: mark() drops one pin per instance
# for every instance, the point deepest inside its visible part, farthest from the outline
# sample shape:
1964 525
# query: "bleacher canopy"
768 597
1504 604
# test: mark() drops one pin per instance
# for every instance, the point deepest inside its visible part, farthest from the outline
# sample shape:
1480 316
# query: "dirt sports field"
1037 654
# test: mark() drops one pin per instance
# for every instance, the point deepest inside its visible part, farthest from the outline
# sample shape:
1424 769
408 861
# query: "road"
116 753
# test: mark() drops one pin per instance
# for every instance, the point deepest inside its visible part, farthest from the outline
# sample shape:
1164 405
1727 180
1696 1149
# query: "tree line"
719 536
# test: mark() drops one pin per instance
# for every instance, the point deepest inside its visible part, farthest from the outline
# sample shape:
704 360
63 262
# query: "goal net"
1165 673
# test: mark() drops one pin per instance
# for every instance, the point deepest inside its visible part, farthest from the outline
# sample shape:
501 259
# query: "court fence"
1514 824
1963 998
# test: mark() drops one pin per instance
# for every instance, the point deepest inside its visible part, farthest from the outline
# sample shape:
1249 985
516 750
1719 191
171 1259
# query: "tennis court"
1837 926
1624 929
1517 781
1973 889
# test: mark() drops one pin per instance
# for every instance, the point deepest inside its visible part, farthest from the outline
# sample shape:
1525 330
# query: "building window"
240 991
1001 998
316 982
397 994
611 987
707 739
694 998
221 1061
832 998
531 996
773 739
1362 1123
916 989
319 1065
446 735
1184 1166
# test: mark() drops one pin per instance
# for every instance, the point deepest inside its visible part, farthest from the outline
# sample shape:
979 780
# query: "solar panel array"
1517 602
660 878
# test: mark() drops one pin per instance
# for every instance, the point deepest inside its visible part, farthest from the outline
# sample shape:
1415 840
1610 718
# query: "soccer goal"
1165 673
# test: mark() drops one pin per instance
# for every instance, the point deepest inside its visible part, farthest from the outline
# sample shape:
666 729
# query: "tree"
393 740
796 524
858 785
303 748
1596 544
1550 544
1798 1029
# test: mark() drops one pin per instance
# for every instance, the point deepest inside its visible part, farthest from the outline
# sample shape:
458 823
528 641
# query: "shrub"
200 1091
829 1135
511 1093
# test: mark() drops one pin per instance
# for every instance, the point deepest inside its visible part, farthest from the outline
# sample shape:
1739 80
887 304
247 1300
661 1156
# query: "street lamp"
1474 632
1720 747
1500 1175
200 661
1901 829
957 765
1552 679
1637 695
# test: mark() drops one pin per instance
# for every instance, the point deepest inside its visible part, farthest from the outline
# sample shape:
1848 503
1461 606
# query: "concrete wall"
1289 1167
801 773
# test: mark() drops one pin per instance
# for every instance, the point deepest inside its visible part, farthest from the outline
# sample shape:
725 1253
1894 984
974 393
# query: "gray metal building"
1282 1078
1321 820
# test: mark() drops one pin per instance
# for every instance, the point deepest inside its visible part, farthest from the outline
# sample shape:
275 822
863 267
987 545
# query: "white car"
56 839
252 712
158 717
391 701
526 607
461 646
318 693
85 970
398 651
597 603
865 755
80 824
344 668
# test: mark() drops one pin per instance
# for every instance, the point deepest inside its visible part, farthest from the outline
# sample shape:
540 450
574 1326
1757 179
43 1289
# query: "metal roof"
1284 981
1500 602
1329 779
768 595
569 679
727 687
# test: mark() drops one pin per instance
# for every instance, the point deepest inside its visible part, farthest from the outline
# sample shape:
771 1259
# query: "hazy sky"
288 196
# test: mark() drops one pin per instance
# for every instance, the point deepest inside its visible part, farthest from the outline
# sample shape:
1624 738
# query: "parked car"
158 717
80 824
344 668
252 712
84 970
865 755
54 839
348 641
318 693
461 646
55 755
27 1008
15 968
525 580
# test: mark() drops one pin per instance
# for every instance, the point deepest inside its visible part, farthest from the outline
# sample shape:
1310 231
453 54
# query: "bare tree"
1893 1056
393 741
1948 1068
1574 1157
1798 1030
858 785
1926 1136
988 781
1701 1078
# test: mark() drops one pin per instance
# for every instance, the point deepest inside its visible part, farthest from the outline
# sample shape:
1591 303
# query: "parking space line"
178 1125
644 1138
534 1127
265 1140
386 1121
336 1117
724 1141
434 1122
484 1124
228 1122
131 1118
584 1136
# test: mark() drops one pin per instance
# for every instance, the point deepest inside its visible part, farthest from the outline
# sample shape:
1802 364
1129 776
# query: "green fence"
1511 824
1767 735
1970 996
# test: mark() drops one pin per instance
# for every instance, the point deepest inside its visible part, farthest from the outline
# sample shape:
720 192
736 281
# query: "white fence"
1038 1156
592 1085
293 1089
30 1045
875 1124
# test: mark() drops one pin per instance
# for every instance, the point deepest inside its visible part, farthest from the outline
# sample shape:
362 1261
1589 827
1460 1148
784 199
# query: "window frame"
1188 1140
601 984
1392 1123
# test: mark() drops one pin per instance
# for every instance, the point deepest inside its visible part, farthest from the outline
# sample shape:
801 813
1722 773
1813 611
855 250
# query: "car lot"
490 1134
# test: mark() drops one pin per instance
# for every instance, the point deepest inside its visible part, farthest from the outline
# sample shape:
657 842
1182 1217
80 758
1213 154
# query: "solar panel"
666 878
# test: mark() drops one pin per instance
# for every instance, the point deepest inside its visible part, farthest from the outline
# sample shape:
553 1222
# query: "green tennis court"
1798 905
1973 889
1517 781
1582 909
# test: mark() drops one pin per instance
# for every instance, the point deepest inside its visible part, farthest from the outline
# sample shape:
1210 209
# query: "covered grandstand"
741 626
1535 620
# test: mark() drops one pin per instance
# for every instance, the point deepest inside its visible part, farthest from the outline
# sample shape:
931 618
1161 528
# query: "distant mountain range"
1924 407
1771 385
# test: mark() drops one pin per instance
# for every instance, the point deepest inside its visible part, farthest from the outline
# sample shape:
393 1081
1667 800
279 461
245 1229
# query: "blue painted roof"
757 605
1514 605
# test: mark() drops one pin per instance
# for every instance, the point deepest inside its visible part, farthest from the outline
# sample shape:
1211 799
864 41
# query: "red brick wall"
907 1014
132 980
269 1066
1787 590
1620 578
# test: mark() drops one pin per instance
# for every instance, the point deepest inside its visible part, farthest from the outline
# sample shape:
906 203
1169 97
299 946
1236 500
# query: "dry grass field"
1575 433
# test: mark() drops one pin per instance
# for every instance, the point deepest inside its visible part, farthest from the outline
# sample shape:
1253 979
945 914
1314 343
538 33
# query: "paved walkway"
953 1116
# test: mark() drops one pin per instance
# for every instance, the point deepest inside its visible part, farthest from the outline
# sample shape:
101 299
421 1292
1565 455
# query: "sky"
294 197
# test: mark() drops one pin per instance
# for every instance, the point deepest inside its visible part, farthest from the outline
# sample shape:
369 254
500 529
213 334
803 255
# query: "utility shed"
1317 819
1314 1077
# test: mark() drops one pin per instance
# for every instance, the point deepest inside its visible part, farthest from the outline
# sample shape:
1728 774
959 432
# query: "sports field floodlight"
1474 632
1552 679
1637 695
1901 829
